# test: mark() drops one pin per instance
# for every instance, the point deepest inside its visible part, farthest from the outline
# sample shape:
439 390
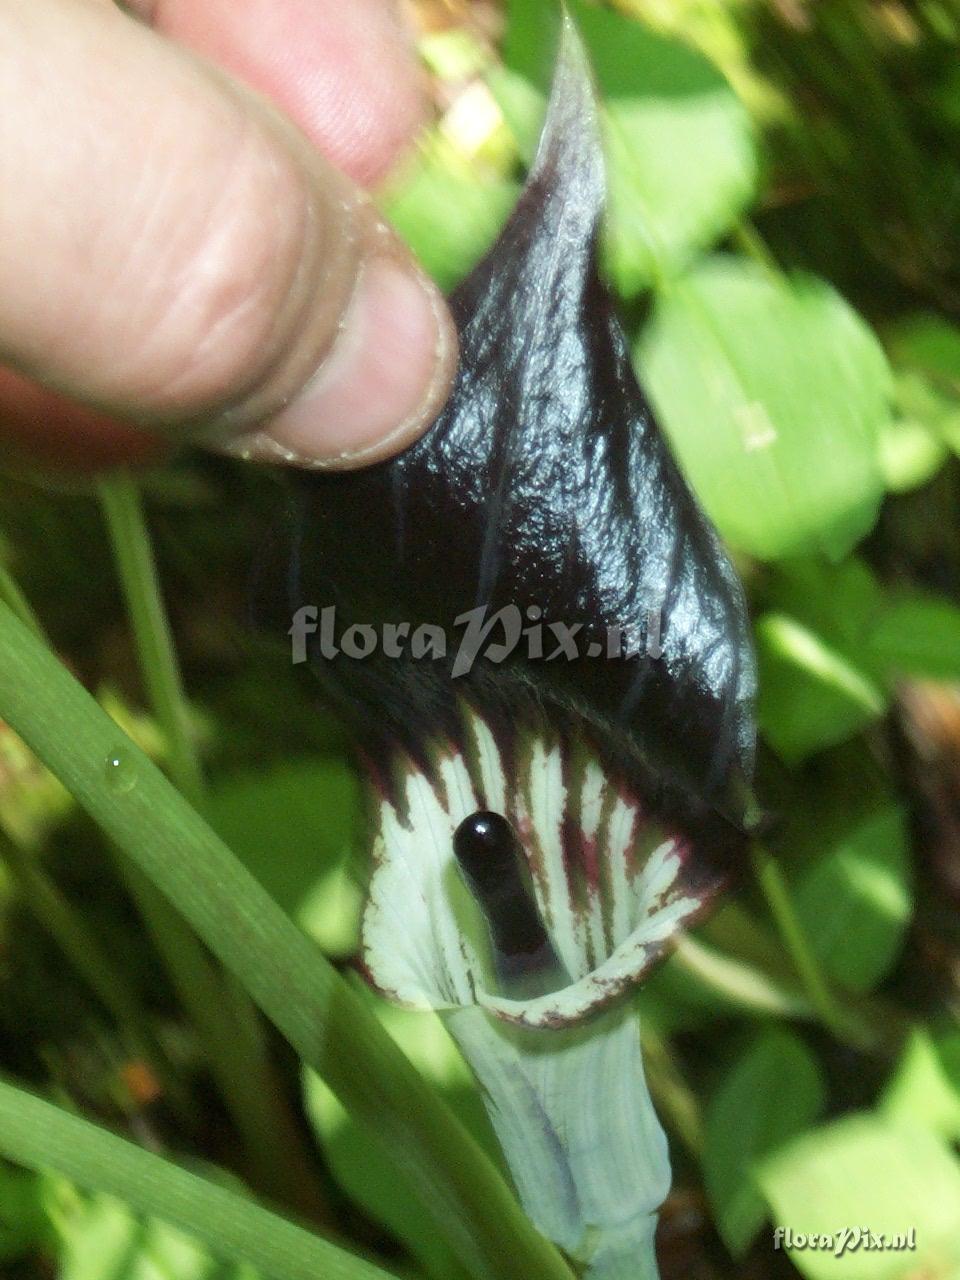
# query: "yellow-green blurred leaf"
773 393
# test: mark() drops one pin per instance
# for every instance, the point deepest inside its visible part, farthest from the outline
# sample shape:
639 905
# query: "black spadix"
544 486
493 862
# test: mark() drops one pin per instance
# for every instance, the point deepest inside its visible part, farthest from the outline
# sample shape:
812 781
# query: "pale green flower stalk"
573 1115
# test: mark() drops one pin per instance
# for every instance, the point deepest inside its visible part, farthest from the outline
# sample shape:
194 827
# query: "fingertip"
381 385
217 277
346 74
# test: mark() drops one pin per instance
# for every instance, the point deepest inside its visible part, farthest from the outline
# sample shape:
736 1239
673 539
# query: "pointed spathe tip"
570 143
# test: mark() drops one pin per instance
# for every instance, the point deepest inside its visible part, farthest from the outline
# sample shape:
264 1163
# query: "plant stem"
133 553
777 894
40 1135
284 971
871 1025
223 1015
671 1094
753 245
741 984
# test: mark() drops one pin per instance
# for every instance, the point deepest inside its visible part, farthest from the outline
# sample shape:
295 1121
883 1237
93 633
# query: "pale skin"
188 249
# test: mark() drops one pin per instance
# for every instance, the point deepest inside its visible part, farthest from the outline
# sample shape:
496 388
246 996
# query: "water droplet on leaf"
120 772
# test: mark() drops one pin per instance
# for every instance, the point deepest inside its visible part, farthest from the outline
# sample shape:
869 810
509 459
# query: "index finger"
347 74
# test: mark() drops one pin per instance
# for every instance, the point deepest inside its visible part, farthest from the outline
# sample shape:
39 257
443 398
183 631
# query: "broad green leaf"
925 1086
932 404
915 443
294 828
918 636
811 695
448 208
856 900
361 1169
839 602
843 841
833 644
772 1092
866 1171
773 392
680 151
671 1000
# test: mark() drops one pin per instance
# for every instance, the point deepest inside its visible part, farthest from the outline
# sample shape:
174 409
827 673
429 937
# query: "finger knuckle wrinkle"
219 324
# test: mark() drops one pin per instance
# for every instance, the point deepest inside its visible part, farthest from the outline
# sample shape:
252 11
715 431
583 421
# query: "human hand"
180 260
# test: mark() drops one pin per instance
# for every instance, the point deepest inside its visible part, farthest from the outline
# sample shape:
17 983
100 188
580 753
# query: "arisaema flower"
544 652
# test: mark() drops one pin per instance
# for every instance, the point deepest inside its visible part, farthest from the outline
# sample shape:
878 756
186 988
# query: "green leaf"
773 1091
865 1171
845 845
810 694
856 900
925 1087
680 151
295 828
816 686
919 636
840 602
833 645
40 1135
727 967
773 393
448 208
931 405
361 1169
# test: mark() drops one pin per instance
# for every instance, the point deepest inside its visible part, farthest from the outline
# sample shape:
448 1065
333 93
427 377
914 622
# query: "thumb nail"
383 380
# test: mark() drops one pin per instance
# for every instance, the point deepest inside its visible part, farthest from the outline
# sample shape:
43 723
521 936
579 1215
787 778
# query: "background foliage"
783 233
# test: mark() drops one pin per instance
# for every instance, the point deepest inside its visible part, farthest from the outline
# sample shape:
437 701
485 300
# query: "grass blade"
228 1024
126 525
283 970
40 1135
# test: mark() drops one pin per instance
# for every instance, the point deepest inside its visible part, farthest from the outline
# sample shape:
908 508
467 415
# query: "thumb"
173 252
